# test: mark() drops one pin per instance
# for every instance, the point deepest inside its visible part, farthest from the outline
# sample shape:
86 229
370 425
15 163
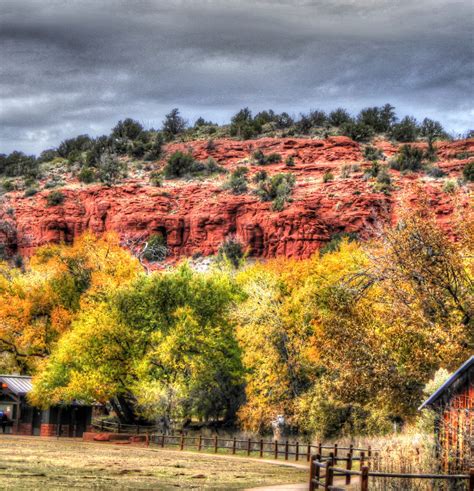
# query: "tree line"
97 157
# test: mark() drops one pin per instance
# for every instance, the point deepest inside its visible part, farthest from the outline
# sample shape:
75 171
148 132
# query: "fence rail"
328 466
261 448
112 427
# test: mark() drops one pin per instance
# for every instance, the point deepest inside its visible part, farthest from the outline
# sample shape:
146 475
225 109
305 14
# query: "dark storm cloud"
77 67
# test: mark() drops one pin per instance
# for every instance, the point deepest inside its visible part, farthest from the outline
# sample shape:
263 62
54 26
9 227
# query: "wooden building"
453 404
71 419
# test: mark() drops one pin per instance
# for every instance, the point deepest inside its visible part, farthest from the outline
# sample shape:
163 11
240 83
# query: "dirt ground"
47 464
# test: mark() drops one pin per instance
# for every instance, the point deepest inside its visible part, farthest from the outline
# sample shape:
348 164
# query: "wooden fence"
323 472
258 448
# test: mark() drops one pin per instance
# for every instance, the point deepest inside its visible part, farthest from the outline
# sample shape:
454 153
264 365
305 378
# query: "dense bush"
237 182
278 189
314 119
111 170
55 198
156 248
73 147
156 178
86 175
406 130
183 164
30 192
468 171
409 158
18 164
372 153
179 164
431 130
338 117
231 250
290 161
260 176
328 176
261 159
128 129
358 131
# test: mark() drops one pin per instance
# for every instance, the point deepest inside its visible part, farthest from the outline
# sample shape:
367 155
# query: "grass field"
38 463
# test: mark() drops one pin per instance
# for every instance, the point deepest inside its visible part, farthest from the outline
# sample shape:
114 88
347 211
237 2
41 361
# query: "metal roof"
437 394
18 384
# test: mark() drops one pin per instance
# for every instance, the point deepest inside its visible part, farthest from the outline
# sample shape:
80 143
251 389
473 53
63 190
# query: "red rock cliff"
196 216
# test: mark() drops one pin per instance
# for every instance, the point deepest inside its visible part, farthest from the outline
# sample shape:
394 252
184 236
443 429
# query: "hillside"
334 193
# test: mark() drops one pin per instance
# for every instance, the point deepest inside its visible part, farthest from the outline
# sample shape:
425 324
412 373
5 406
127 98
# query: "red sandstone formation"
196 216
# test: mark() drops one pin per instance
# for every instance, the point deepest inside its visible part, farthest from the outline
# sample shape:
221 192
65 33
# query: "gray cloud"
77 67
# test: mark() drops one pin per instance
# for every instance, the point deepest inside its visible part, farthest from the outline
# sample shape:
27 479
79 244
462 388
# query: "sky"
74 67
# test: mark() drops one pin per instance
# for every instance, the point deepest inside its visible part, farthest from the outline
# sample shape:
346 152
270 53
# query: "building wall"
456 428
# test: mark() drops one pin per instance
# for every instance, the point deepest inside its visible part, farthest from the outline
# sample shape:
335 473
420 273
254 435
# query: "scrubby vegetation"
132 150
341 343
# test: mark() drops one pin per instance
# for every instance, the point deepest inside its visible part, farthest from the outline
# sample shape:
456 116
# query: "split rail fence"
262 448
324 471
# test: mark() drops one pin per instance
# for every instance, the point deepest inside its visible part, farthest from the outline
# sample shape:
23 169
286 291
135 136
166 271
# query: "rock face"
195 216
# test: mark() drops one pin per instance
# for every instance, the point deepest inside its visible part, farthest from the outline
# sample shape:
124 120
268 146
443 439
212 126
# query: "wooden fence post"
320 449
215 444
312 473
162 440
317 471
249 446
329 474
362 459
276 449
308 452
200 443
297 450
138 429
471 479
364 479
335 450
261 447
234 445
286 450
181 443
349 467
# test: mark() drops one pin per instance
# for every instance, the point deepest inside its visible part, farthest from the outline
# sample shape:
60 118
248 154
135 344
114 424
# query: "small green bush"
156 248
435 171
290 161
55 198
179 165
260 176
468 171
232 250
277 189
372 153
30 192
374 170
8 185
237 183
156 178
86 175
261 159
328 176
409 158
449 187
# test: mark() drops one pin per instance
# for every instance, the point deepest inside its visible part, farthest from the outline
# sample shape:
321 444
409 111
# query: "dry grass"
38 463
